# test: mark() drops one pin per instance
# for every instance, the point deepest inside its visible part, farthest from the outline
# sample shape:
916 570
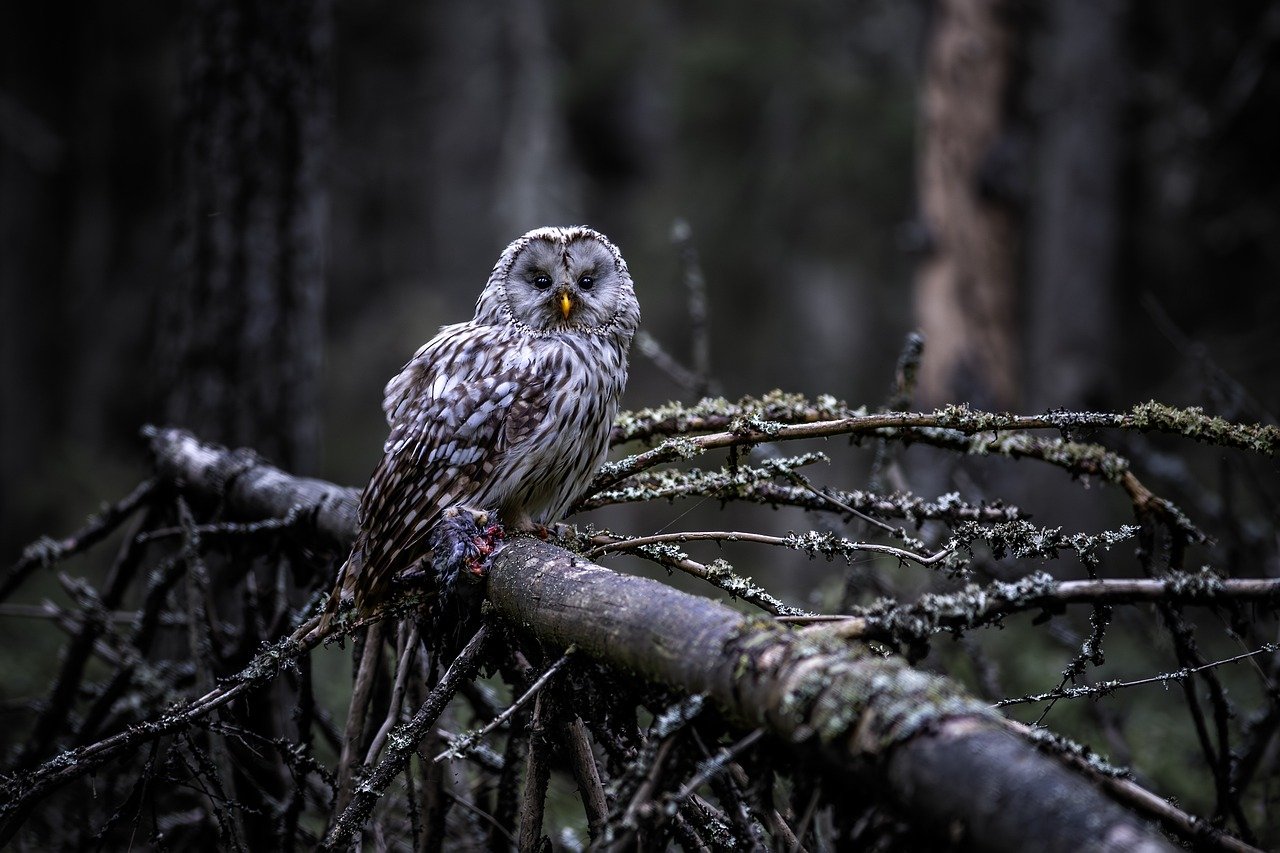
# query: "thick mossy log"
943 758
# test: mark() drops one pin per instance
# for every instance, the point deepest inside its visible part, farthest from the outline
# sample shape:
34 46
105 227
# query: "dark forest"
943 511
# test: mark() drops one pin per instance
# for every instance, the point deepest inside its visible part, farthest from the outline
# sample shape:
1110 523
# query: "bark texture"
966 287
240 340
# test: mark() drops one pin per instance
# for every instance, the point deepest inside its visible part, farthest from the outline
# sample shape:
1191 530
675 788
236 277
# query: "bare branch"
404 742
460 746
1105 688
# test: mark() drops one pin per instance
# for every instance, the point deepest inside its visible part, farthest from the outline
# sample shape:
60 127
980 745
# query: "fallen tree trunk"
942 758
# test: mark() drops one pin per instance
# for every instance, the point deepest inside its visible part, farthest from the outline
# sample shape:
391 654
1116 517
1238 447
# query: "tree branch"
908 733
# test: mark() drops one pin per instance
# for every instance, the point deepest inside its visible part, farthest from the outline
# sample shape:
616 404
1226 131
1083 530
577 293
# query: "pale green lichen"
830 690
1195 424
1023 540
1056 743
1205 584
717 413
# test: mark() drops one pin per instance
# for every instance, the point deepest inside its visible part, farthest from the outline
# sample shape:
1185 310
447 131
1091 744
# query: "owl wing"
455 411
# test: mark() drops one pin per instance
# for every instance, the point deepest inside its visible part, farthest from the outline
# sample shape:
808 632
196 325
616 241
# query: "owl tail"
343 592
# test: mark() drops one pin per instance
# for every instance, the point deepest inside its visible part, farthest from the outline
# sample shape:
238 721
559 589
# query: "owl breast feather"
582 381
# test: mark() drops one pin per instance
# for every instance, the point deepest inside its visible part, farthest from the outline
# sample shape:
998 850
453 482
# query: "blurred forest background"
1135 158
243 217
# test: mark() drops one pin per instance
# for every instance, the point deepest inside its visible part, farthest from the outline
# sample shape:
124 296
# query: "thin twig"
648 346
464 743
403 668
45 552
718 576
1107 687
358 709
24 790
717 764
721 536
533 798
587 775
405 744
981 605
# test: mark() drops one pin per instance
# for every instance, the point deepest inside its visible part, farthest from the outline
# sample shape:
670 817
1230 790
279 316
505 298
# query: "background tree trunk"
1075 208
966 287
240 338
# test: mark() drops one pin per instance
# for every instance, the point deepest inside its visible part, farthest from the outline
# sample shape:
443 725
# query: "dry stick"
687 835
717 764
66 683
537 773
1113 591
585 772
1108 687
225 528
405 743
721 536
747 592
464 743
356 713
648 346
749 826
304 715
69 620
785 838
200 642
482 814
46 552
632 817
159 583
810 810
940 429
1263 439
1219 759
397 694
24 790
897 505
1258 732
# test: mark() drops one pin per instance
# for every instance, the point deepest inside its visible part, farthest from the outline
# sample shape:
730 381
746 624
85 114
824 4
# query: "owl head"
561 279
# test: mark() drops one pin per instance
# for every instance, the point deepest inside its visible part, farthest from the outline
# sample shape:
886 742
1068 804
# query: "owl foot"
545 532
559 530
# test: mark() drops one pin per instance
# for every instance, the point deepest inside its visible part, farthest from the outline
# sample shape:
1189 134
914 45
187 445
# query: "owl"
508 413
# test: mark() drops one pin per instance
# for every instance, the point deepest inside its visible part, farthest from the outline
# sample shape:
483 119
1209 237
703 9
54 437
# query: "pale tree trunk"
966 287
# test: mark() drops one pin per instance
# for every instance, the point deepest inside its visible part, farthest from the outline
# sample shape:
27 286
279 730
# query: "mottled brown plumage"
509 412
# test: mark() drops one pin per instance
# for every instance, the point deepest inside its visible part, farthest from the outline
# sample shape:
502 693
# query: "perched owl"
509 412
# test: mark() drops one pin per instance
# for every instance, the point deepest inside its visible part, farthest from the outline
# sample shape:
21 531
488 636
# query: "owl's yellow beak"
566 304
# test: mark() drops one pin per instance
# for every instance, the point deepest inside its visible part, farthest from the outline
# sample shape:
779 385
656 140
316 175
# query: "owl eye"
542 282
586 282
